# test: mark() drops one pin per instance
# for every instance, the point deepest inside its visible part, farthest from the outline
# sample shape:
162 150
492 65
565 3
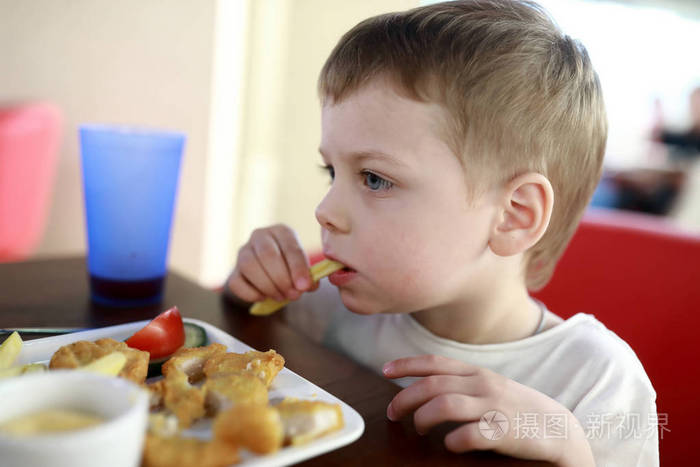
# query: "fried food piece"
163 425
304 421
156 391
264 365
81 353
257 427
185 452
318 271
178 396
175 392
224 390
190 361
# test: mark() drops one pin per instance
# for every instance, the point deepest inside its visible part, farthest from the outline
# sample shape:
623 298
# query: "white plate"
286 384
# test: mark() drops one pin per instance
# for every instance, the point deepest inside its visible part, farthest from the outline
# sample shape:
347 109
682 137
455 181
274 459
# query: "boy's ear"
523 214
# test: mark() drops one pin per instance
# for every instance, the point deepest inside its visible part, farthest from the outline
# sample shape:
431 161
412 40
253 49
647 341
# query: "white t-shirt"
578 362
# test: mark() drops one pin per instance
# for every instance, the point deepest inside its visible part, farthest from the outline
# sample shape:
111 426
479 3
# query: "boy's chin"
363 306
356 304
359 310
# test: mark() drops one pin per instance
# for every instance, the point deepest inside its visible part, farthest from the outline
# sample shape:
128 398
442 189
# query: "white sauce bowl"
116 442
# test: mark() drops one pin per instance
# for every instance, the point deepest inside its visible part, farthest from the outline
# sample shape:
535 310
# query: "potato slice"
110 364
9 350
20 370
318 271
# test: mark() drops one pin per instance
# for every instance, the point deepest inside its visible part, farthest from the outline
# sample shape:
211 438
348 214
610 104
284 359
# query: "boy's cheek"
409 272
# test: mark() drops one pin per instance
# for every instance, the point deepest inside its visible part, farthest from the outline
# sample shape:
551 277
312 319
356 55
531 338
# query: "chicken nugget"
185 452
264 365
175 392
81 353
179 397
224 390
257 427
156 391
191 361
163 424
305 420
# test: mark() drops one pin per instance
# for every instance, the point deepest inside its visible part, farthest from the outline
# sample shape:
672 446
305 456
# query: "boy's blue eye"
376 183
373 181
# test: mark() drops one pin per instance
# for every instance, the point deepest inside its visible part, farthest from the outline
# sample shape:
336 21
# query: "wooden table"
55 293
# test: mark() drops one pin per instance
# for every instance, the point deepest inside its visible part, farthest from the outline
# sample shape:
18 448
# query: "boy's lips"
347 269
342 276
332 257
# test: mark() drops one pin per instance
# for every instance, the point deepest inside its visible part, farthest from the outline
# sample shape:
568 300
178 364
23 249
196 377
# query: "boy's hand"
451 390
272 264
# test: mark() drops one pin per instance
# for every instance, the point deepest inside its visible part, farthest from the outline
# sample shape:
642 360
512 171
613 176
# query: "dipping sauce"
49 421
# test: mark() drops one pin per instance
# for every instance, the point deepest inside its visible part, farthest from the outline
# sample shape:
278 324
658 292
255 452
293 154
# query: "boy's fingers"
446 408
469 437
426 389
242 289
294 255
426 365
251 269
270 258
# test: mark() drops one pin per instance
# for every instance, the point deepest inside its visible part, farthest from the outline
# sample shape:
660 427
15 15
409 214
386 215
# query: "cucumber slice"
195 336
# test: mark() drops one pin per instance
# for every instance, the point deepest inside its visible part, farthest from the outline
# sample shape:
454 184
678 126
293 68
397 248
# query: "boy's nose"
330 213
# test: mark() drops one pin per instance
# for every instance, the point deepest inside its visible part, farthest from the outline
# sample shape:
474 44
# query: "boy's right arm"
272 264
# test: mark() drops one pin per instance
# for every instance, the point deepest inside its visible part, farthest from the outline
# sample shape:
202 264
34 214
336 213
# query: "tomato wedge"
162 336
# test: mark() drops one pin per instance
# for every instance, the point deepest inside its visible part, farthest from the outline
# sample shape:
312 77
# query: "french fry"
20 370
110 364
9 350
318 271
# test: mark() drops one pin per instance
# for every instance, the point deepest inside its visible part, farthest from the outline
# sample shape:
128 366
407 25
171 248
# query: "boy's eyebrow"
373 155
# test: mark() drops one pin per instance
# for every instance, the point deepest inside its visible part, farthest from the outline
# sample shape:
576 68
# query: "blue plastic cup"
130 178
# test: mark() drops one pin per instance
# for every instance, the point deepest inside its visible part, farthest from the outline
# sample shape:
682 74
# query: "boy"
463 141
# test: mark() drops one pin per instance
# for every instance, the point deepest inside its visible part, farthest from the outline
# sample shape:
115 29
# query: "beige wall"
130 62
282 129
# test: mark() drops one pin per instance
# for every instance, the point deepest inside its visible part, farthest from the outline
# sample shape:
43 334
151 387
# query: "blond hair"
520 96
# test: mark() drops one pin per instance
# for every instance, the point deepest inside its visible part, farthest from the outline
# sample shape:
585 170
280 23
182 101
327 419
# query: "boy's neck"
508 318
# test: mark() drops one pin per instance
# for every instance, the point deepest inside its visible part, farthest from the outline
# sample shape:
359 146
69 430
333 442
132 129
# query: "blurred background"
239 78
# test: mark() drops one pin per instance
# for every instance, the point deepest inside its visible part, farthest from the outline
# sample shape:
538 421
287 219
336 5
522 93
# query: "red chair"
641 278
29 142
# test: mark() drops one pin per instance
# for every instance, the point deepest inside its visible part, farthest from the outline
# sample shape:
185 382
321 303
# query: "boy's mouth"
342 276
345 269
